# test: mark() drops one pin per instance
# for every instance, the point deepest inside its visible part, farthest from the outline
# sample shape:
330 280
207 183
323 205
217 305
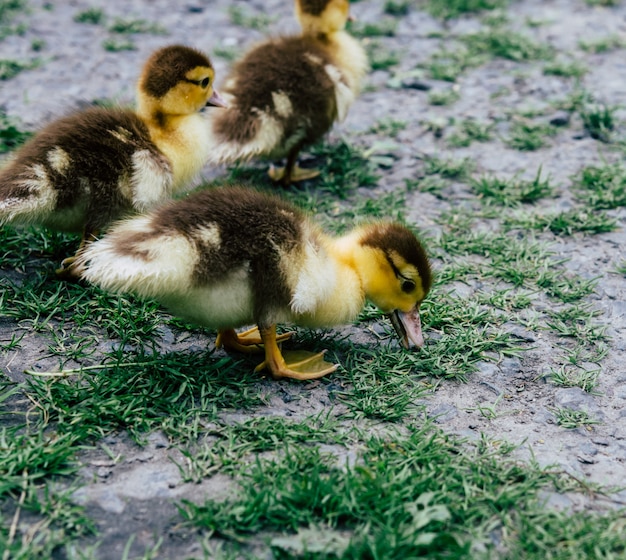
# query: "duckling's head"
177 80
322 17
396 276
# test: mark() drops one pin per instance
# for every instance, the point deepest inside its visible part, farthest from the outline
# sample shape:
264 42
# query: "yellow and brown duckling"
286 93
232 256
84 170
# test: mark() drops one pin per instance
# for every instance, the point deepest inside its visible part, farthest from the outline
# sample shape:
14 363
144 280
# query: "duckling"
88 168
232 256
286 93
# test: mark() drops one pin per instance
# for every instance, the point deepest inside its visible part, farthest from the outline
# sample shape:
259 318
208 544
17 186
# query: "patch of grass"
499 42
529 136
10 135
601 187
431 184
449 168
144 392
448 9
93 16
565 223
599 120
577 321
344 168
468 131
575 377
571 419
443 97
397 9
227 53
11 68
513 191
388 127
448 65
403 498
131 26
603 45
244 18
385 27
565 69
228 447
381 58
117 45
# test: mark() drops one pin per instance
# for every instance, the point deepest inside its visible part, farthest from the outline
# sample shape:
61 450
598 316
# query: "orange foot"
249 341
302 365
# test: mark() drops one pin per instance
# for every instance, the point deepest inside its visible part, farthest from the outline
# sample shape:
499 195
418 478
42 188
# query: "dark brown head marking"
313 7
168 66
395 237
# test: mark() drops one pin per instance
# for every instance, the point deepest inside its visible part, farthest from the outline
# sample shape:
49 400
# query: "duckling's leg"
249 341
67 271
292 172
312 366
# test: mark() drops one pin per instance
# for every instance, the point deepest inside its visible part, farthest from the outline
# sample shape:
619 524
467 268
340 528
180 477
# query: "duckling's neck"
183 139
335 286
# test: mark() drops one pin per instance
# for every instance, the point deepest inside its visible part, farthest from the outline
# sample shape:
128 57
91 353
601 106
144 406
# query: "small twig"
73 371
16 515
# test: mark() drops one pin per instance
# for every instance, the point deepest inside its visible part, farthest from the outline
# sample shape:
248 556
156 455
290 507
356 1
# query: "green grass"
448 9
529 136
385 27
570 419
10 134
468 131
131 26
245 18
512 191
93 16
117 45
404 497
397 9
565 69
500 42
11 68
599 120
602 45
601 187
381 58
567 222
443 97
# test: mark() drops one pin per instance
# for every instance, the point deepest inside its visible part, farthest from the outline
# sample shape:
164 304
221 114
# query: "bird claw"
301 365
279 175
248 341
67 271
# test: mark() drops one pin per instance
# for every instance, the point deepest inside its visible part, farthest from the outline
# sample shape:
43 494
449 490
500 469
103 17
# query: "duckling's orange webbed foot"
249 341
297 174
302 365
67 270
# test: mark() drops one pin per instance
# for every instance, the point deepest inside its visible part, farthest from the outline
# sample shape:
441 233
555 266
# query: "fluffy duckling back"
86 169
286 93
228 257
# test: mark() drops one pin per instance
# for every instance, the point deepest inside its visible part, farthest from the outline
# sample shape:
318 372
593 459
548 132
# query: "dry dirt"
138 495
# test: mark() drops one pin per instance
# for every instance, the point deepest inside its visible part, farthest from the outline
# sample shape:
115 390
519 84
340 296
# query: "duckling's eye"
204 83
407 286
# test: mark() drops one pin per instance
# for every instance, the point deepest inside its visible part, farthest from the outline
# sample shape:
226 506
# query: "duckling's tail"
25 198
235 136
134 257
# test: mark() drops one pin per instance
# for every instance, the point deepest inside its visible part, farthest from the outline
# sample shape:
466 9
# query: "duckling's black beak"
408 327
216 100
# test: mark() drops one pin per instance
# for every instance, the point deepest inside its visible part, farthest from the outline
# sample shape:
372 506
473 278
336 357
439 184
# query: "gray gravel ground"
138 495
